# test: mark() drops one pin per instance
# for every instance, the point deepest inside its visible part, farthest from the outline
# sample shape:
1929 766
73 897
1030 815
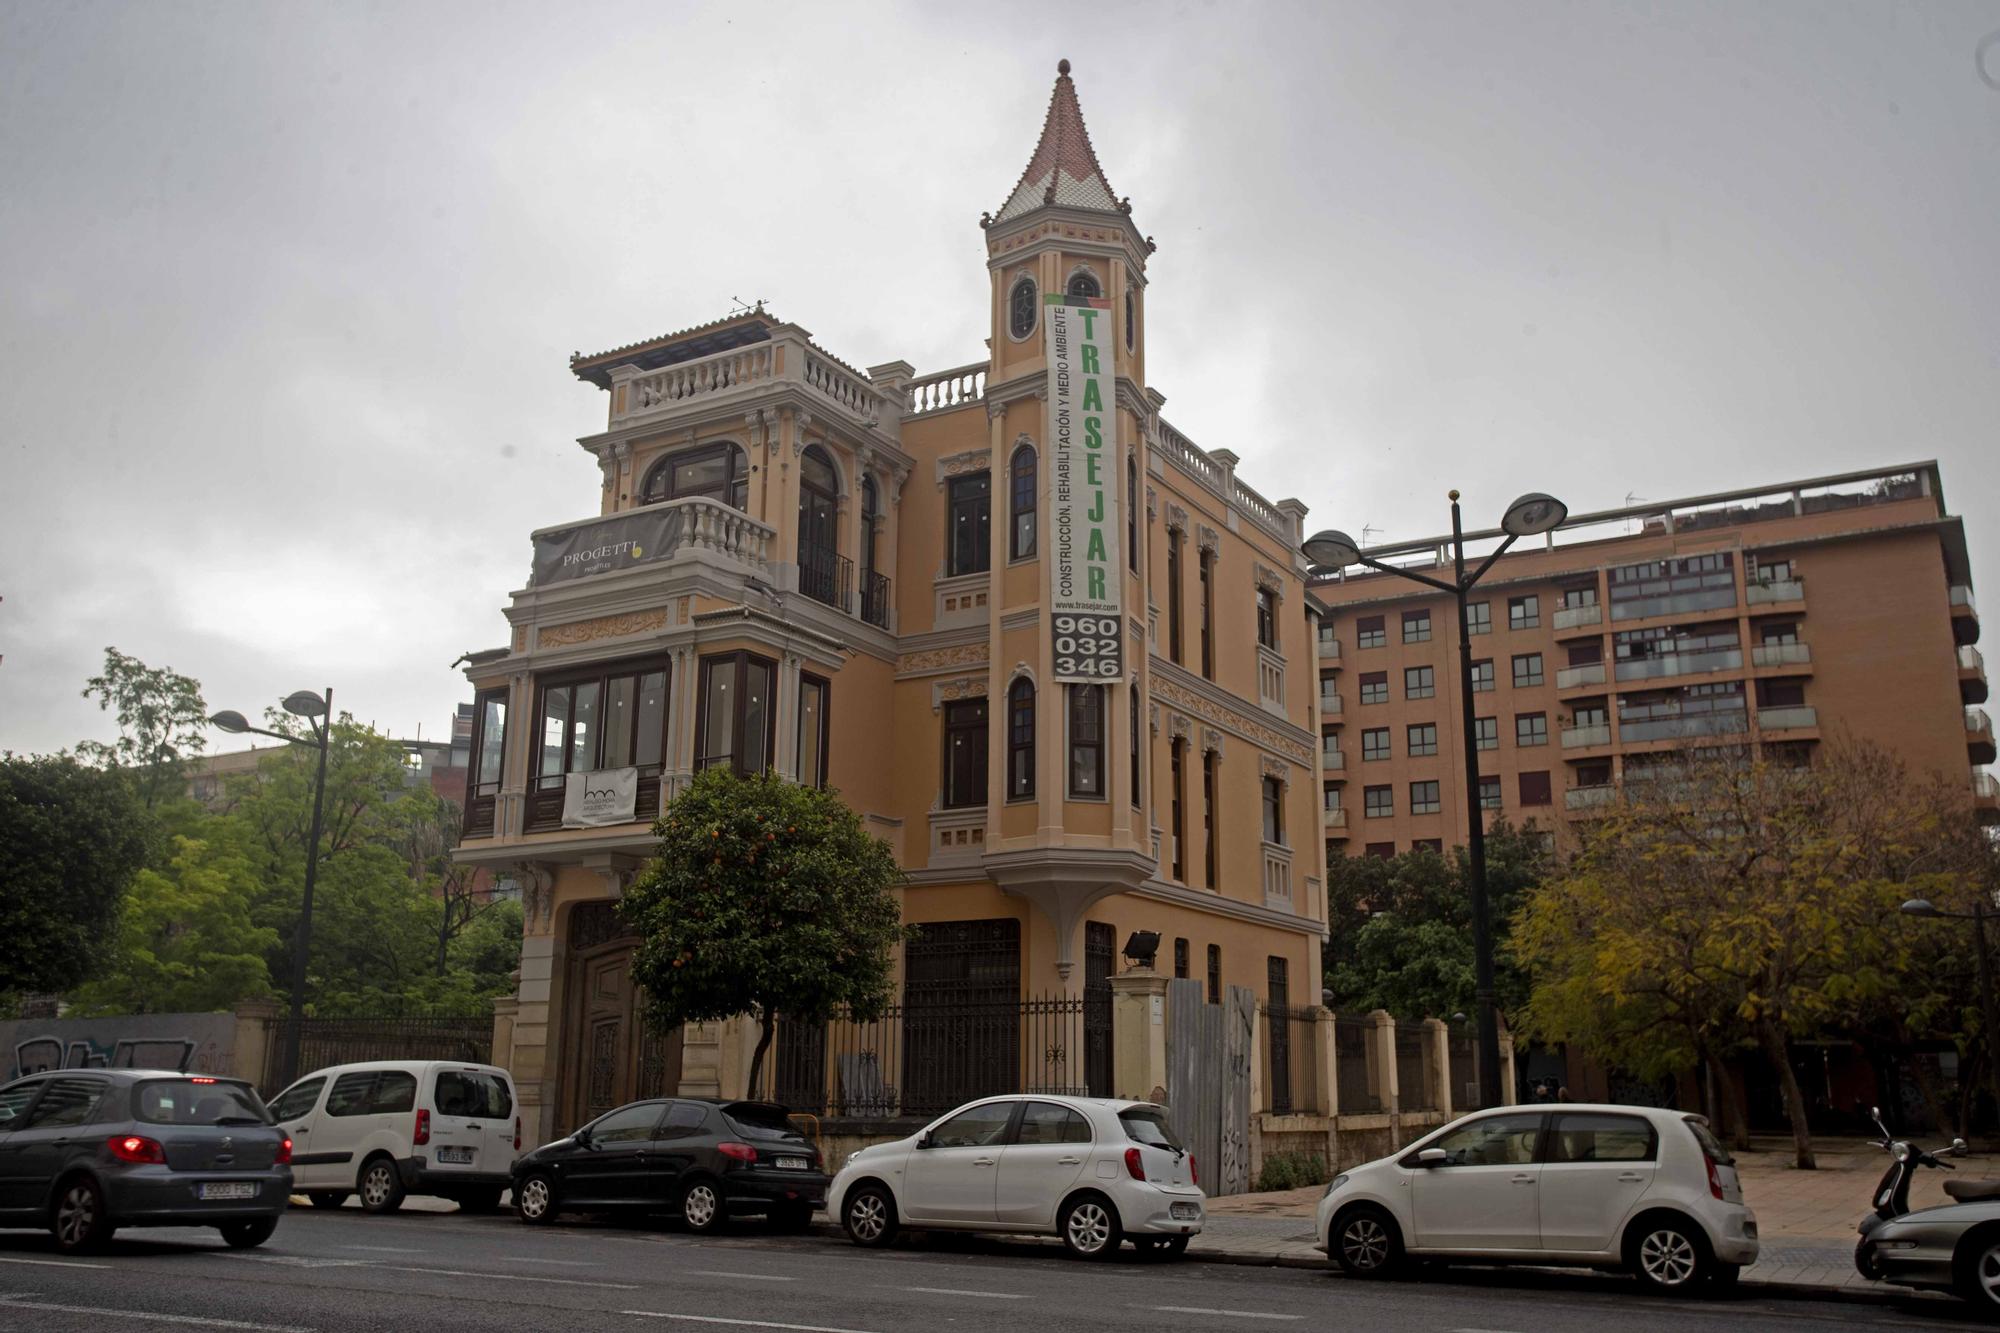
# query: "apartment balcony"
1681 726
1329 703
1790 656
1771 593
1332 759
1576 677
1329 650
826 576
1979 735
1577 738
1964 614
724 383
1971 675
1798 717
1334 822
1578 617
1985 796
1702 663
1716 598
1590 798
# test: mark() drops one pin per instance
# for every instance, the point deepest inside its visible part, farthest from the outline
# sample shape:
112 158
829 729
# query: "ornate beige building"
842 575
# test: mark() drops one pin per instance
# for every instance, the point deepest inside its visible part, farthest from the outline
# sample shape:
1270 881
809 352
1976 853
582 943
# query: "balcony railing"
788 358
1335 818
1961 596
1571 617
1587 798
1766 591
1781 654
1710 594
1969 658
1983 785
1574 738
650 535
1798 717
946 389
1680 664
1676 726
826 576
1329 648
1977 722
875 600
1590 673
1332 759
1329 703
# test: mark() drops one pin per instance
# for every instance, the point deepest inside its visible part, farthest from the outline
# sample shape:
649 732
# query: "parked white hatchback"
391 1128
1092 1170
1639 1188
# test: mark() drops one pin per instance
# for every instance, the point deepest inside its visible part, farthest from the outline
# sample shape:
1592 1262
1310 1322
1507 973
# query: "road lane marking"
1226 1314
505 1277
12 1302
386 1249
560 1263
961 1291
747 1277
739 1323
53 1263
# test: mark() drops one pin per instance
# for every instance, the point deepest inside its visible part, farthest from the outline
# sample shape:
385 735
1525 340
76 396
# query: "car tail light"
138 1151
285 1152
1714 1180
738 1152
423 1134
199 1078
1135 1164
1194 1172
517 1133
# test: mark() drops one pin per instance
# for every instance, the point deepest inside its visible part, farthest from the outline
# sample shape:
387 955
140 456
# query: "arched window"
1131 319
1083 286
1021 308
1021 505
819 558
714 471
1021 740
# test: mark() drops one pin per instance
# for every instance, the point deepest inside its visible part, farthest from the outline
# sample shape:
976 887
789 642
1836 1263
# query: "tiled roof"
1064 169
752 319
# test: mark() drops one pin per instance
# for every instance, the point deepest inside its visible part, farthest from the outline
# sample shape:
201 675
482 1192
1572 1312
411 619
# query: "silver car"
85 1151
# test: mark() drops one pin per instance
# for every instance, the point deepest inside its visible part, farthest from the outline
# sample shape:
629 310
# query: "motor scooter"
1880 1257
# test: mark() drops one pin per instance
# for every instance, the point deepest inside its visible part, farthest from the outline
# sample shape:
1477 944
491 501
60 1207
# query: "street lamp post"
1531 514
1987 1005
318 713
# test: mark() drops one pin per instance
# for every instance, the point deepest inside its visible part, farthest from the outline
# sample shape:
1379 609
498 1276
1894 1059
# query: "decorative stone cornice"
1211 740
603 627
1209 540
1178 727
1177 518
960 464
1176 686
948 658
949 691
1273 767
1269 579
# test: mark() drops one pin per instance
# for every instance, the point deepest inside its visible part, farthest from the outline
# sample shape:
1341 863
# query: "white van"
390 1128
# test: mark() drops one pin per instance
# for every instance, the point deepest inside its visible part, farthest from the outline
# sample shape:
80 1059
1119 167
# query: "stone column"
1326 1081
258 1030
701 1060
1437 1061
1139 1035
1507 1084
1382 1060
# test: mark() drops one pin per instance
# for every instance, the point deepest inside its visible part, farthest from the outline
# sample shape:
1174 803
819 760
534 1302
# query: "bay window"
738 717
608 716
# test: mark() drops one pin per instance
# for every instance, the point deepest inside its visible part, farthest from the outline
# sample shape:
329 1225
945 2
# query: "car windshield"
1148 1125
1711 1144
198 1101
757 1121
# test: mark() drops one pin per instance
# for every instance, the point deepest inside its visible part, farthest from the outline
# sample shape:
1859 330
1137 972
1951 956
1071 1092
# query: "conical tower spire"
1064 170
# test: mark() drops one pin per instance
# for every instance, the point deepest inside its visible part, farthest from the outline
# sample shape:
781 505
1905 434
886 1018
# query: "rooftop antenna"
1367 528
1630 500
743 307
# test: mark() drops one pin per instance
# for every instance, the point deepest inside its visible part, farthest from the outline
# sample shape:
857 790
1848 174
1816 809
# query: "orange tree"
764 897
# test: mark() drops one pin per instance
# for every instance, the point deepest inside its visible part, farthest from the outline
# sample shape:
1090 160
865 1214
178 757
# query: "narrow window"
1181 959
1486 733
1208 614
813 722
1021 308
964 753
1086 740
1274 810
1267 618
1177 763
1132 693
737 720
1215 974
1211 834
1132 512
489 747
1022 505
1020 740
1479 618
1489 793
1174 596
1131 320
1482 675
970 523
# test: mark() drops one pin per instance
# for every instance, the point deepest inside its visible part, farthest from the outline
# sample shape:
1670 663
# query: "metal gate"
1278 992
1100 951
1209 1049
961 1011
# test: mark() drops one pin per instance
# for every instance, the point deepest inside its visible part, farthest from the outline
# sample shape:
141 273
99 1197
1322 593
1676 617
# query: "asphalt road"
442 1272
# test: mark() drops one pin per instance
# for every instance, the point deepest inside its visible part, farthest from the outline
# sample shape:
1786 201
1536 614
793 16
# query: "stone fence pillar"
1437 1063
1139 1035
1382 1061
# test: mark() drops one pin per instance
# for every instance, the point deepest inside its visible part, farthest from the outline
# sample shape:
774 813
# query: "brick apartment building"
1781 614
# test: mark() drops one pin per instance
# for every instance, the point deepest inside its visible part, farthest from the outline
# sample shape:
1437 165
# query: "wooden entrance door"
610 1057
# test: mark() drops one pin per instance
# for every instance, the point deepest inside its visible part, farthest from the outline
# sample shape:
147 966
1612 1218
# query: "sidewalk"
1806 1218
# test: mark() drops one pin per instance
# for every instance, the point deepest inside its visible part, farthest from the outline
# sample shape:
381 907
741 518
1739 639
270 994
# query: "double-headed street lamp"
1977 916
318 713
1531 514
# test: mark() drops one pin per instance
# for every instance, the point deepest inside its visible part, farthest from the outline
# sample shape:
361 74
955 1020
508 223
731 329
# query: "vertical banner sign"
1086 590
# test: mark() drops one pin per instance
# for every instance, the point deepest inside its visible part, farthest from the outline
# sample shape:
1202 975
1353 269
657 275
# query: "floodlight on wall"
1142 947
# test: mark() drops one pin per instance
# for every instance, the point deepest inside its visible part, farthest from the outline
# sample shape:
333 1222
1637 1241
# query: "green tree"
186 942
161 725
71 839
764 897
1401 926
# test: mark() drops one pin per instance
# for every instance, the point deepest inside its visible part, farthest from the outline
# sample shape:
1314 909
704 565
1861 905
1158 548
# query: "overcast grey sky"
287 290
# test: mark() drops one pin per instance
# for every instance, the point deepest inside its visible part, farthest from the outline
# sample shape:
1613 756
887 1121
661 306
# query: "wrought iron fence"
1350 1064
340 1041
925 1059
1291 1059
1415 1090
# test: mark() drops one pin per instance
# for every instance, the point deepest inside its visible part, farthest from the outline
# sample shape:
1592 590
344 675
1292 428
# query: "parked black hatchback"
85 1151
705 1161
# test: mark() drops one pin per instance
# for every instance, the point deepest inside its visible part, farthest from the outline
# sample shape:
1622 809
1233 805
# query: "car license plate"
454 1156
1184 1212
792 1164
228 1189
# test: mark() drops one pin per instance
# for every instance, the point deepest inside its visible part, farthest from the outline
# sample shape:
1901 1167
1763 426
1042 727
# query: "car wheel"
381 1186
702 1207
1090 1227
478 1201
248 1235
1669 1257
1366 1243
869 1216
1977 1266
535 1200
78 1217
327 1198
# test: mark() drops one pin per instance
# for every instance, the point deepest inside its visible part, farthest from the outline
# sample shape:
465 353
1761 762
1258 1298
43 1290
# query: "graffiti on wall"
190 1043
39 1054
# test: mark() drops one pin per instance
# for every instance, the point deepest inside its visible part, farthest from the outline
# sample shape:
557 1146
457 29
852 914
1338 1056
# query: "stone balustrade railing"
784 359
947 389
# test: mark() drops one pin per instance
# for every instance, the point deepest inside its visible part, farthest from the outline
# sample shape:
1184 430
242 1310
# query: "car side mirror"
924 1140
582 1137
1433 1157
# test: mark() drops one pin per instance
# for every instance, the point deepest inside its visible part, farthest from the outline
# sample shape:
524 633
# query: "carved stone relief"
937 659
603 627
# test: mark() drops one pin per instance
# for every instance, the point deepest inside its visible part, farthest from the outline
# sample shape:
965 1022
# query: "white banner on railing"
1086 588
607 796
